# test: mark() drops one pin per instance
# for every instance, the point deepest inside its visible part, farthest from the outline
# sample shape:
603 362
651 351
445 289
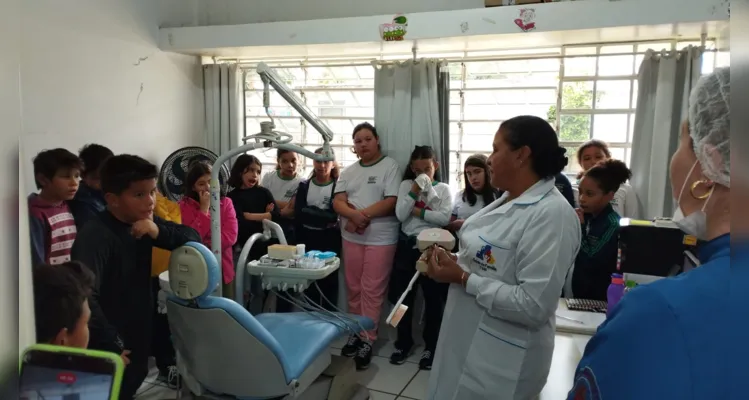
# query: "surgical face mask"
678 215
694 224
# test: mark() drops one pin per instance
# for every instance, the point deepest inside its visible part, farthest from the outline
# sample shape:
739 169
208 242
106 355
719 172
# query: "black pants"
258 296
253 294
162 348
325 240
435 296
134 376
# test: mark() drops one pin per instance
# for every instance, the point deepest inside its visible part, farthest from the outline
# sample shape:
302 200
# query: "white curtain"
664 83
410 108
224 102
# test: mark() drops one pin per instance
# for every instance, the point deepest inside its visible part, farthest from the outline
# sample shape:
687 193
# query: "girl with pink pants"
365 199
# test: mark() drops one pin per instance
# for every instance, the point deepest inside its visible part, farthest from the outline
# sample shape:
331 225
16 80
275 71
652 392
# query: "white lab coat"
497 335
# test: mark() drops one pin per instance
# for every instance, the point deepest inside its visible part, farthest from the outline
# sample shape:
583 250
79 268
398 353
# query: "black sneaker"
400 355
351 347
170 376
363 356
427 357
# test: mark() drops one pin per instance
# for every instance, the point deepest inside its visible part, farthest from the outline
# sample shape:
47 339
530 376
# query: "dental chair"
226 352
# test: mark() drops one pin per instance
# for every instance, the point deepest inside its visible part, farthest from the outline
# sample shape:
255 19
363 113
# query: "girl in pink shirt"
195 214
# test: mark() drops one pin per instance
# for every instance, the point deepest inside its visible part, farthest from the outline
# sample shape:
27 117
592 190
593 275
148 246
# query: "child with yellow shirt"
161 343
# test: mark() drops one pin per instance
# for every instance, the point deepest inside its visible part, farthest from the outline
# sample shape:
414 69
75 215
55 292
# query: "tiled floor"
155 390
406 382
384 380
388 382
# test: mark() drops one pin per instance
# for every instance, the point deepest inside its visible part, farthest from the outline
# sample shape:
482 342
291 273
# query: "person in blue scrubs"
675 338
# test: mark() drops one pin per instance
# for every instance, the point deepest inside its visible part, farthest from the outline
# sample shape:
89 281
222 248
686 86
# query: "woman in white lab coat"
497 334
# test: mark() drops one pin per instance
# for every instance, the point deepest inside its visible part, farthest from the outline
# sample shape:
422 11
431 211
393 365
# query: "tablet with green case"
48 371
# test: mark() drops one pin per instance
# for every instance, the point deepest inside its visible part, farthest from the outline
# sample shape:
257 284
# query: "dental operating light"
267 138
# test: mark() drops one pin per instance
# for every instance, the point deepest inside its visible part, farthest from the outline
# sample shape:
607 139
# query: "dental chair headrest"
194 272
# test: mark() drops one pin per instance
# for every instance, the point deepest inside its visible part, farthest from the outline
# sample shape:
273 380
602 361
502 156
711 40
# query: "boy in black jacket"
117 247
89 199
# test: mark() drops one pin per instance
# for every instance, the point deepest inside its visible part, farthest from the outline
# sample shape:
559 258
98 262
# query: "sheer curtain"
224 102
411 108
664 82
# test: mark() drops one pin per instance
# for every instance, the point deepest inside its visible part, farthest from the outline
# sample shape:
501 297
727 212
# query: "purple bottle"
614 292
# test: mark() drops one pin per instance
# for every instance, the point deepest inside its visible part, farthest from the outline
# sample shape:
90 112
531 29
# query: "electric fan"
174 171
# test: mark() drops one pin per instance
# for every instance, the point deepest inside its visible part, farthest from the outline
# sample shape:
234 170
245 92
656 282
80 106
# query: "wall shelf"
580 21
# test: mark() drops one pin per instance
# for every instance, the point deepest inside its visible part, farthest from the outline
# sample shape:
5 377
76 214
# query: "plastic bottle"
614 292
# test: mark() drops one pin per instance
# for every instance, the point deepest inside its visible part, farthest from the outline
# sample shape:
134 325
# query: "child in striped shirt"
57 173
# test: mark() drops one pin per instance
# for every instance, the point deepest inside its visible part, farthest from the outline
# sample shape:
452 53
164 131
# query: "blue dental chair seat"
303 337
228 351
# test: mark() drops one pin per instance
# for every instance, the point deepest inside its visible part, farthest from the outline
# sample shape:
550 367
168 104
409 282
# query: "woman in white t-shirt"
365 198
625 199
477 194
283 184
284 181
316 224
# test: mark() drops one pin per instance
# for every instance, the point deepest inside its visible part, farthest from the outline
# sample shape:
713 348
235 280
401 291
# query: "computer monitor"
653 248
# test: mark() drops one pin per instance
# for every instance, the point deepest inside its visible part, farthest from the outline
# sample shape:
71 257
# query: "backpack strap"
332 195
301 196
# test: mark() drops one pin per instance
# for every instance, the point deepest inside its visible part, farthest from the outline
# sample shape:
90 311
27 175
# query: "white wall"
92 72
83 71
10 118
176 13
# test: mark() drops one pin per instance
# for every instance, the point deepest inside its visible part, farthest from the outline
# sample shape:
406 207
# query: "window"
598 93
583 91
341 95
485 93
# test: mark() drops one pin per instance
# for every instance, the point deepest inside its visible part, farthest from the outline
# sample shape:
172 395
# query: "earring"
707 194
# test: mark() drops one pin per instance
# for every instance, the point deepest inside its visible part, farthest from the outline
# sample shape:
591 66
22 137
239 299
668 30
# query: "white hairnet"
710 123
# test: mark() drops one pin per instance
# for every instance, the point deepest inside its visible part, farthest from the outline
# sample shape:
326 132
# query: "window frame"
461 60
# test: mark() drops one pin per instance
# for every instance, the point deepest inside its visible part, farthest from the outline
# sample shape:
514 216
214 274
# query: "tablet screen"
60 376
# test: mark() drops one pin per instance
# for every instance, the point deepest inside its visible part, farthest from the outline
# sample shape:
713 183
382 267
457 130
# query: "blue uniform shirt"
671 339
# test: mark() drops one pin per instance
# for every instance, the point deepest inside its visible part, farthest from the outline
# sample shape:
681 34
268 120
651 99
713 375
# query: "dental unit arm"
267 138
277 274
269 228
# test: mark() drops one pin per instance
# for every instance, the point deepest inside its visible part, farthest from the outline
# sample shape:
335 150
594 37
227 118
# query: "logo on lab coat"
485 255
